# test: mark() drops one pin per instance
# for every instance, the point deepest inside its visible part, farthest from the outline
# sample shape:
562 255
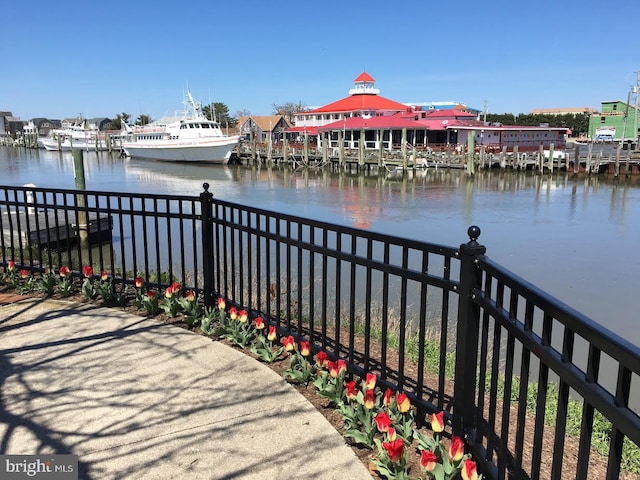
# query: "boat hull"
52 144
212 151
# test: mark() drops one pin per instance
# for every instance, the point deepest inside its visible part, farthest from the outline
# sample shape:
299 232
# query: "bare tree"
288 109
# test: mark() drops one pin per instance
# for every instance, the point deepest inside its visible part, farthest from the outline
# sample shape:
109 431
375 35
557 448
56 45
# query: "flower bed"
379 425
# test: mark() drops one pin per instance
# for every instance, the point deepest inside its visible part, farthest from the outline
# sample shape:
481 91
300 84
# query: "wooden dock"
52 228
571 160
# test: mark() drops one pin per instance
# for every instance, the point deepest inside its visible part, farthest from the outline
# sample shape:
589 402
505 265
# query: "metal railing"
508 363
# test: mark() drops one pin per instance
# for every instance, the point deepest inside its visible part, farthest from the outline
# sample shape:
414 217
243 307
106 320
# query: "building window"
615 107
603 119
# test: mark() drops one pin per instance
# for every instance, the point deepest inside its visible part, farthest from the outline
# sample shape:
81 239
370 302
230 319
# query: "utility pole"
636 90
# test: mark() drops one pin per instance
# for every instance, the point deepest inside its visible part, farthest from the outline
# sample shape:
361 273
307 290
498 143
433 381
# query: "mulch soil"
597 463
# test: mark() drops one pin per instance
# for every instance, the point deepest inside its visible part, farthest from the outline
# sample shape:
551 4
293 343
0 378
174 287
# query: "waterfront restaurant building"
385 124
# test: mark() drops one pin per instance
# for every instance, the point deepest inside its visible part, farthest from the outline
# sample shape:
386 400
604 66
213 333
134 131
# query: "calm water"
577 238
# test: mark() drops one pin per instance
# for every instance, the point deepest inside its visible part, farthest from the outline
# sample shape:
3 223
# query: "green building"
616 121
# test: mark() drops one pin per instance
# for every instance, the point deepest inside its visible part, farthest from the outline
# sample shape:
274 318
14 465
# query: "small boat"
74 136
191 137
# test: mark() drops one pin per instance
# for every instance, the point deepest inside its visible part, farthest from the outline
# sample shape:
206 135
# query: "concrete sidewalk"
139 399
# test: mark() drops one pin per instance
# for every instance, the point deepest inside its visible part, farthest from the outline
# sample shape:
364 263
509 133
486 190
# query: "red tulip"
64 271
383 422
391 434
342 367
104 276
151 293
370 382
11 266
243 316
369 399
272 335
394 449
321 358
221 304
289 343
259 323
87 271
190 296
352 390
233 313
456 449
388 397
24 273
437 422
403 402
305 349
168 292
138 282
428 460
469 471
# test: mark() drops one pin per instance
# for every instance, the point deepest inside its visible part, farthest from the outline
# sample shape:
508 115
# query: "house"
10 125
618 119
262 127
3 123
45 125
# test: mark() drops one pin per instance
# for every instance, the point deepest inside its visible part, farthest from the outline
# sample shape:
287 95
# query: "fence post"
467 335
206 210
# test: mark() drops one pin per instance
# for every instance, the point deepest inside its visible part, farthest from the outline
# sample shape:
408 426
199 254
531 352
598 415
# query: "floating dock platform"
51 228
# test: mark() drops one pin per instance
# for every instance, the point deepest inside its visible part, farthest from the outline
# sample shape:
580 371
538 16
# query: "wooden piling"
404 148
78 173
380 148
471 146
285 148
541 159
341 148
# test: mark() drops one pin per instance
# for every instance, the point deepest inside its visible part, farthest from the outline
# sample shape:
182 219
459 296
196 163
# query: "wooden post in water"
285 147
361 150
471 147
306 148
325 147
83 221
404 149
551 157
269 147
340 148
252 138
576 160
541 158
380 148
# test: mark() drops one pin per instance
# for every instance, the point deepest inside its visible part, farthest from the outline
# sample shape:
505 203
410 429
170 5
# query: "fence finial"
474 232
205 185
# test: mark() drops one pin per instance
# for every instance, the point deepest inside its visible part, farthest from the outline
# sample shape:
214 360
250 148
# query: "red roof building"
364 101
364 118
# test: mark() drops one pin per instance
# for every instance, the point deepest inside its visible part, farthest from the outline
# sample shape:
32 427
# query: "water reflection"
575 236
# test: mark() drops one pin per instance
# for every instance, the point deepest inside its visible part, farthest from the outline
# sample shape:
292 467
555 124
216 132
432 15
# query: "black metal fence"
511 365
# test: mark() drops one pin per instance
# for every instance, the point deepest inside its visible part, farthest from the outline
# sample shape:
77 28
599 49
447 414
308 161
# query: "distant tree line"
578 123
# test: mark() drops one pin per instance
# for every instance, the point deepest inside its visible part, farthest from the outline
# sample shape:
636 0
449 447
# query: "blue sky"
65 58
